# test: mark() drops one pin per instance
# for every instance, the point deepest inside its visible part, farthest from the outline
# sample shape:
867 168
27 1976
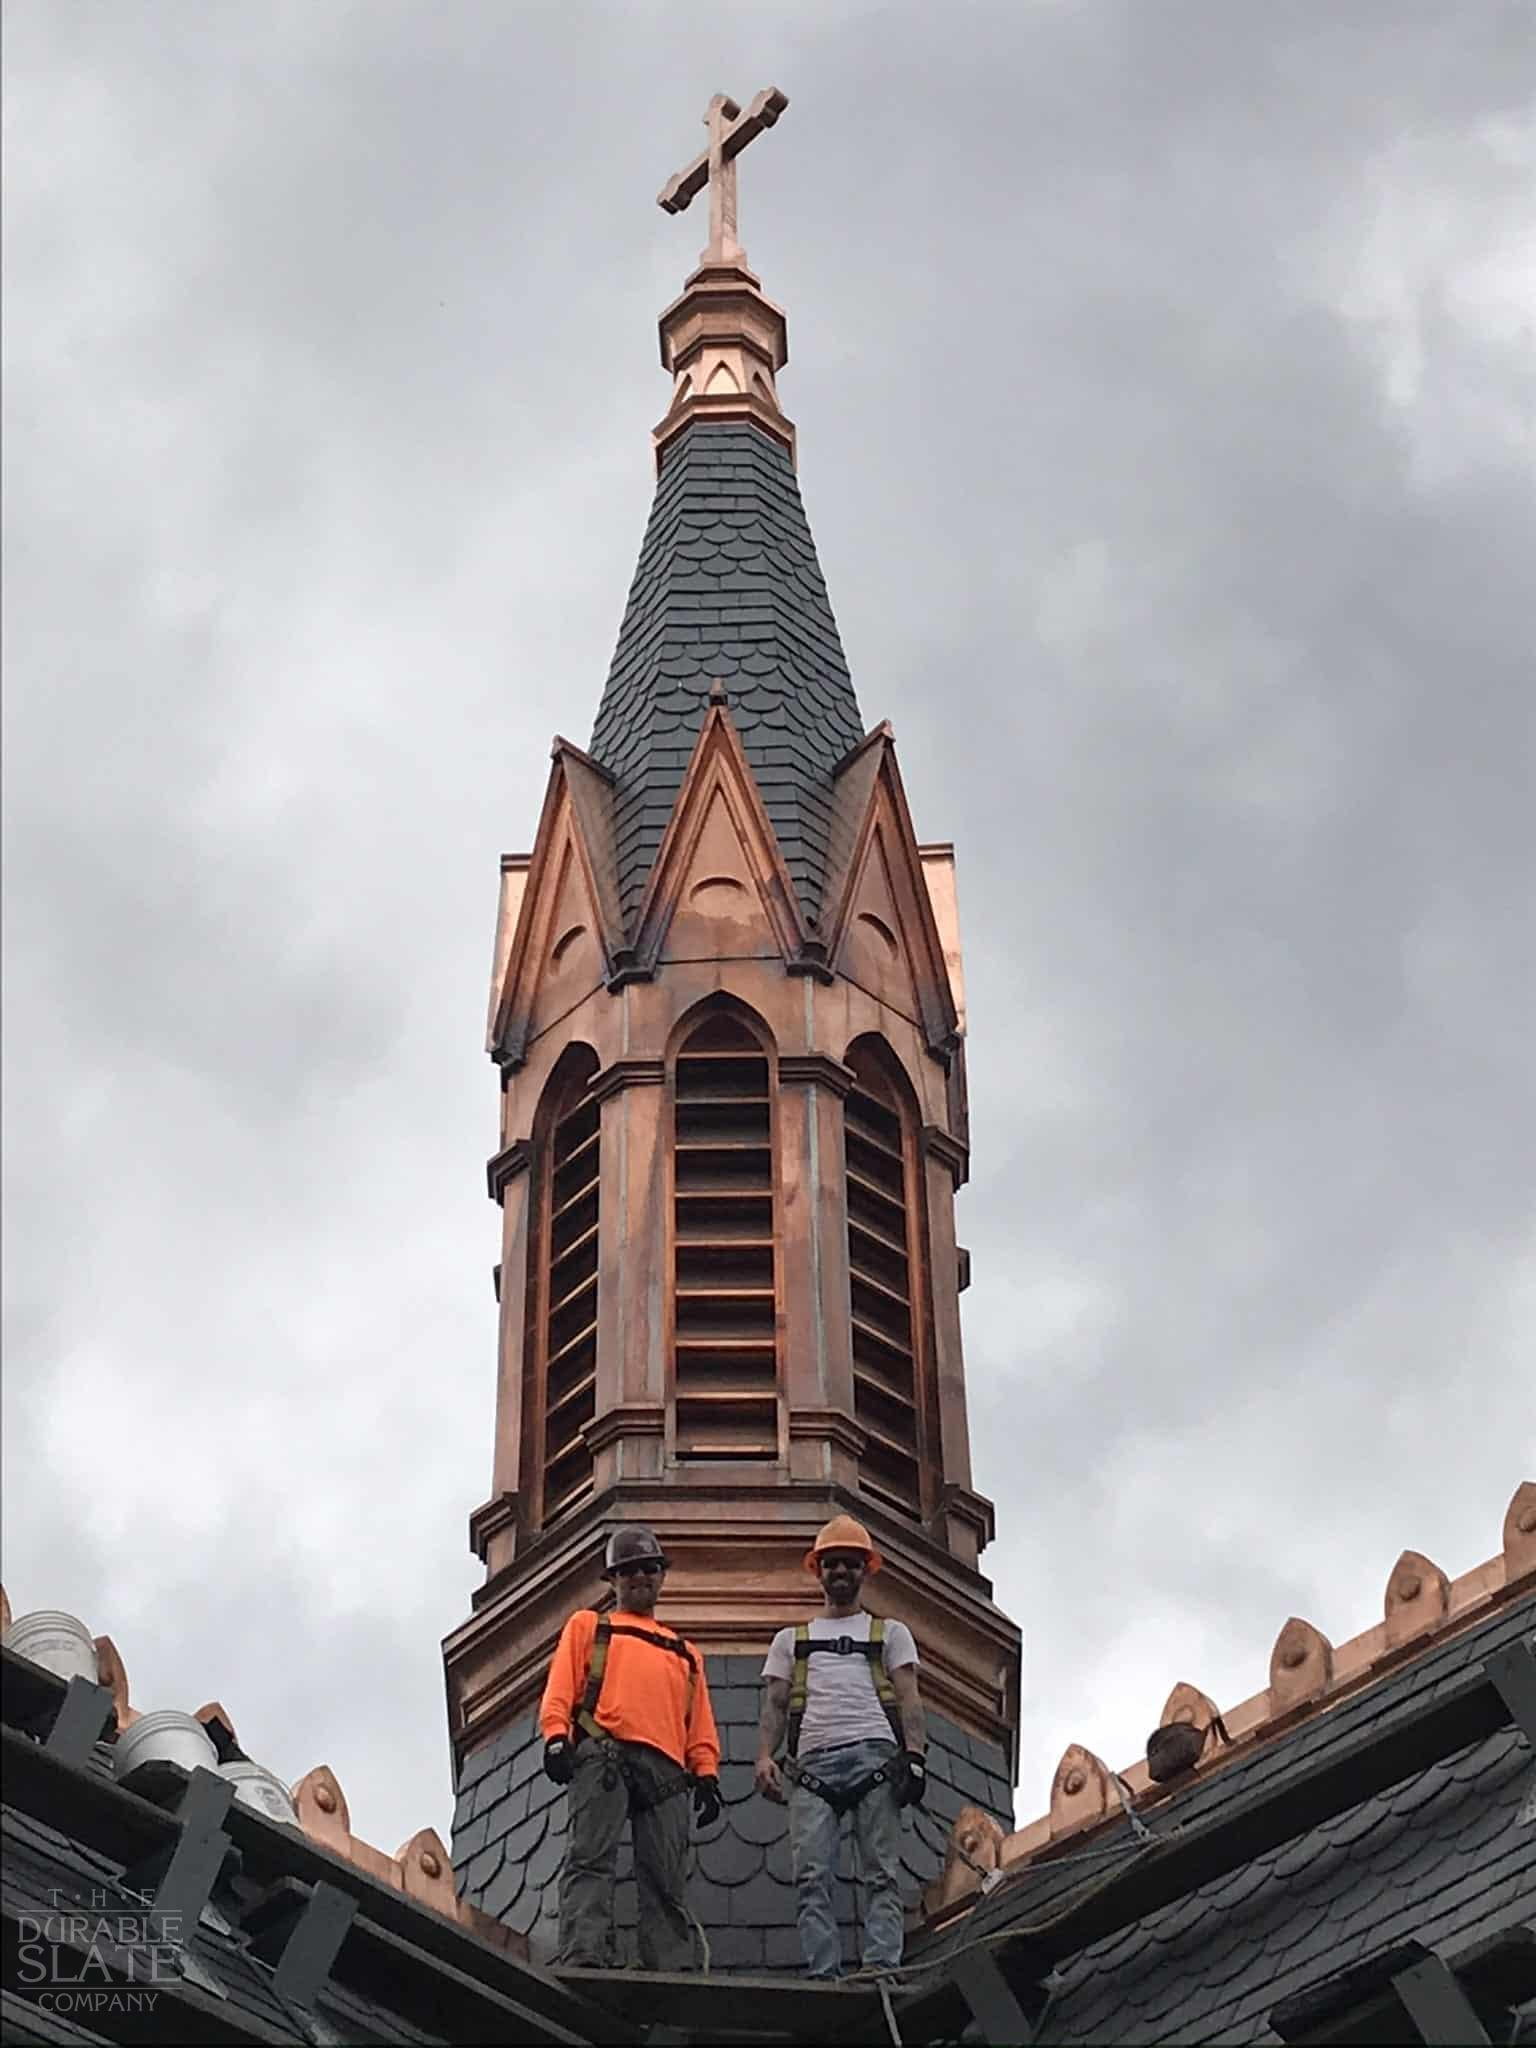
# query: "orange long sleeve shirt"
645 1696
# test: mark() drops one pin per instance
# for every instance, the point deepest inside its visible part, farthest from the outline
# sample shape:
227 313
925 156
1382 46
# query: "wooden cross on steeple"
730 130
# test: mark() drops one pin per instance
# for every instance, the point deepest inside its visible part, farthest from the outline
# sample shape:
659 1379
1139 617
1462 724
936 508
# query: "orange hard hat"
843 1533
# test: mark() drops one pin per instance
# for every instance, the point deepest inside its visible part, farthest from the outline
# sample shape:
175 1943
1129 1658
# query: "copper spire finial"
722 341
729 133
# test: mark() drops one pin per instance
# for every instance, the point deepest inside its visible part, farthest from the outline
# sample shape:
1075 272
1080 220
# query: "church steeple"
727 1009
728 589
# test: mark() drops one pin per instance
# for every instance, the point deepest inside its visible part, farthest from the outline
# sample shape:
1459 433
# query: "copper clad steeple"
727 1009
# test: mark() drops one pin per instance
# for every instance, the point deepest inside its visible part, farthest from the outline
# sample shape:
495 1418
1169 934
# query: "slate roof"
728 586
1446 1857
82 1855
510 1827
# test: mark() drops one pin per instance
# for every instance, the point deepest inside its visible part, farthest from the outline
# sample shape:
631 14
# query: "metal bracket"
1438 2007
312 1948
82 1720
184 1878
989 1995
1513 1671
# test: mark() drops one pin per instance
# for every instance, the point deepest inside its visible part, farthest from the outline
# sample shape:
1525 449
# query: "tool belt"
843 1799
616 1765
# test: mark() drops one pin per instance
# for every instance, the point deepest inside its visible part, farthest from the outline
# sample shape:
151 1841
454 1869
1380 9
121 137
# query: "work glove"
913 1787
706 1800
559 1760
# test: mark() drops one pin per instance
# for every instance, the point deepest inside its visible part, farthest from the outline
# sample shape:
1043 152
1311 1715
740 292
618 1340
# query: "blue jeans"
814 1830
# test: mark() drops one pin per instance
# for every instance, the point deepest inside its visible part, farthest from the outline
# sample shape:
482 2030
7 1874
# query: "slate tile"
760 1902
515 1807
528 1759
476 1764
470 1839
504 1889
546 1860
726 1860
736 1783
481 1869
491 1788
524 1913
781 1949
522 1840
735 1948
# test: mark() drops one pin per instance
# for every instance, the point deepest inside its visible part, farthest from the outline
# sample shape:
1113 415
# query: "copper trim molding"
632 1072
818 1069
488 1520
938 1144
503 1167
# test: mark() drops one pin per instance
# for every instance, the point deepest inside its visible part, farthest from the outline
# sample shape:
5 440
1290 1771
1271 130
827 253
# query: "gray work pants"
615 1781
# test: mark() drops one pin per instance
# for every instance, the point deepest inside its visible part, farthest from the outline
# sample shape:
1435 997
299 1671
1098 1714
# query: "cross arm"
762 113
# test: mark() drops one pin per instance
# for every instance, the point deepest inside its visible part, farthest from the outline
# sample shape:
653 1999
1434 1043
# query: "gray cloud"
1163 382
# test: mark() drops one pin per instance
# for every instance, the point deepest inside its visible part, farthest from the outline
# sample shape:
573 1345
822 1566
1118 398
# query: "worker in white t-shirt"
843 1690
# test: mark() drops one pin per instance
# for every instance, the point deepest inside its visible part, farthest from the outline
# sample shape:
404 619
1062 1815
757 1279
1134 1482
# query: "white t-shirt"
841 1704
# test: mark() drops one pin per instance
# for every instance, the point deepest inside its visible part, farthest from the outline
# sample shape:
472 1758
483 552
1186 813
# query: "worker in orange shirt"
629 1729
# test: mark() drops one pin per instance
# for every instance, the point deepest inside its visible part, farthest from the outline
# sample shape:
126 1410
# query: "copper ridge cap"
1307 1676
722 341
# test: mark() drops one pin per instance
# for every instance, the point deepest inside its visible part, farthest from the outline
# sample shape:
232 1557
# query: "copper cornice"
817 1068
829 1425
488 1520
633 1419
631 1071
938 1144
504 1166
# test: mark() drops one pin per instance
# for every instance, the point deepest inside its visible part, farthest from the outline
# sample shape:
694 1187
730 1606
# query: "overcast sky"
1164 381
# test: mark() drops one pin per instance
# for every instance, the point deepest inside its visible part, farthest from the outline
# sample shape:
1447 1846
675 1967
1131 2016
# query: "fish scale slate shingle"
1443 1858
727 586
741 1889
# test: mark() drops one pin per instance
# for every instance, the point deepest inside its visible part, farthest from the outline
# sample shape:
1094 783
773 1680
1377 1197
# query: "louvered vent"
570 1326
885 1389
726 1357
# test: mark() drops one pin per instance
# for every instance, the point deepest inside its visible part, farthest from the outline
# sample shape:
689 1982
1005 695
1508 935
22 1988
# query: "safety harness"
585 1722
844 1799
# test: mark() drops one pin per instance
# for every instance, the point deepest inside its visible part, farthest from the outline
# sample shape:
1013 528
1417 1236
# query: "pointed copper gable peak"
1520 1531
1417 1598
722 342
1300 1664
719 790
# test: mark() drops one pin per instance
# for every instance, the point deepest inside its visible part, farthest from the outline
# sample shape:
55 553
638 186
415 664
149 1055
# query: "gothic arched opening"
561 1385
725 1374
879 1129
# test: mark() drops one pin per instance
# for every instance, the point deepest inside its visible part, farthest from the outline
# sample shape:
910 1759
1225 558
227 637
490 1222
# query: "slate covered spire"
728 588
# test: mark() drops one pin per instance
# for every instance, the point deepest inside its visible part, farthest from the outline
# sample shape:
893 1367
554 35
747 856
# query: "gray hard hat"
630 1545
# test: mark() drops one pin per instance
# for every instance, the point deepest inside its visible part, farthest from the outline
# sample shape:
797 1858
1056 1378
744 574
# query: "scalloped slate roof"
1444 1858
510 1825
728 586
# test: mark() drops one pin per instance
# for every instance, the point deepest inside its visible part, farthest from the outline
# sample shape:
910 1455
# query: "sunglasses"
650 1566
837 1562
